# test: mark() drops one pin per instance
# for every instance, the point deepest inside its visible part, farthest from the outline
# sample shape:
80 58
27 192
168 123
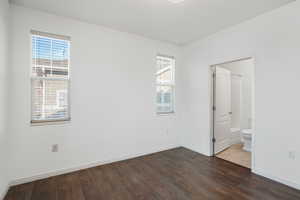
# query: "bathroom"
233 114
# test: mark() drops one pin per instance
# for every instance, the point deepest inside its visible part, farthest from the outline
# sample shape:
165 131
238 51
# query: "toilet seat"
247 131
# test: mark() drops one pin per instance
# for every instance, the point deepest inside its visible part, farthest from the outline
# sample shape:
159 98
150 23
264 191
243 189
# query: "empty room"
149 99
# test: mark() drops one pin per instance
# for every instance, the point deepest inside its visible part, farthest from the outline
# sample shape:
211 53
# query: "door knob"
230 113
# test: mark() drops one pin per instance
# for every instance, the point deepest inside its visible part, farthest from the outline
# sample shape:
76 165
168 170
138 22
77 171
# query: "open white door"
222 113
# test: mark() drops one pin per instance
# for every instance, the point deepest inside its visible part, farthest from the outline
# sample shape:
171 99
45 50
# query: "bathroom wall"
243 71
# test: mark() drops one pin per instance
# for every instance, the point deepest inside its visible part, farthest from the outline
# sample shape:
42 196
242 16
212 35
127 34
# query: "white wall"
119 120
4 28
273 40
112 94
245 68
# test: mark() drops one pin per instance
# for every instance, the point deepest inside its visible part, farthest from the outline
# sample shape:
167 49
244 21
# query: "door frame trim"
212 69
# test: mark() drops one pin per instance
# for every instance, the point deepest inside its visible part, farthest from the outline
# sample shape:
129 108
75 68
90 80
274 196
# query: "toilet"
247 139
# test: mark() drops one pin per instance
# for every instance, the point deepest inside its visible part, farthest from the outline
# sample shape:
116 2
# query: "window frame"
68 79
171 84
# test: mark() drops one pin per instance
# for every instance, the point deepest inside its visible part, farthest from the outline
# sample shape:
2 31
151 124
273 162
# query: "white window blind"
50 77
165 84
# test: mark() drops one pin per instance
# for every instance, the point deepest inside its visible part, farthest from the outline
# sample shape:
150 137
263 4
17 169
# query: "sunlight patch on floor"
237 155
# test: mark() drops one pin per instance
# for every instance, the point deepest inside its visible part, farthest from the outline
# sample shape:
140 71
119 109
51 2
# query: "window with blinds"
50 77
165 84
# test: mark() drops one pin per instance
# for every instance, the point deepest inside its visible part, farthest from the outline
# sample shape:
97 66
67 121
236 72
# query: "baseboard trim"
279 180
4 192
81 167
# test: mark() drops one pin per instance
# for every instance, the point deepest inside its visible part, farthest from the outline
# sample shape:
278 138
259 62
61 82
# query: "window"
61 98
50 77
165 84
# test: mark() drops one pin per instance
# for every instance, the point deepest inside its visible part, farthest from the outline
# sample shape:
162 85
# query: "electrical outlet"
55 148
292 155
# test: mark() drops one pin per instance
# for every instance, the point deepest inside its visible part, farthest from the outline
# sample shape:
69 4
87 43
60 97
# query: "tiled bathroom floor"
237 155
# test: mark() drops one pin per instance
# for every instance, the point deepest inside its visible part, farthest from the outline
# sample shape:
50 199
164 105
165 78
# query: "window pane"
60 55
50 57
49 99
165 84
164 76
164 99
164 69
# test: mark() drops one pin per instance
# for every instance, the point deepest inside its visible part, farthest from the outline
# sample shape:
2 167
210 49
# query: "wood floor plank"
195 188
69 188
88 186
136 183
64 187
112 176
158 182
77 192
9 195
177 174
45 189
20 192
105 187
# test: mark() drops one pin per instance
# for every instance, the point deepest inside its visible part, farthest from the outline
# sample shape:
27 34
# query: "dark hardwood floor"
175 174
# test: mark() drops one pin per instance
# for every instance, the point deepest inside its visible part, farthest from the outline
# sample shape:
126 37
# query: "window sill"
165 114
50 122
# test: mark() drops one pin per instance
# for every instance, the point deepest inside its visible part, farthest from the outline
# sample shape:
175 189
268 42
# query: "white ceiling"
179 23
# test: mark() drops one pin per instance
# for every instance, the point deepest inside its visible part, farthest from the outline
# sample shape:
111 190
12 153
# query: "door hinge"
214 140
214 108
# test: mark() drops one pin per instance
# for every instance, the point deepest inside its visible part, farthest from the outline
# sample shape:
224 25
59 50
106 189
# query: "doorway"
233 111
